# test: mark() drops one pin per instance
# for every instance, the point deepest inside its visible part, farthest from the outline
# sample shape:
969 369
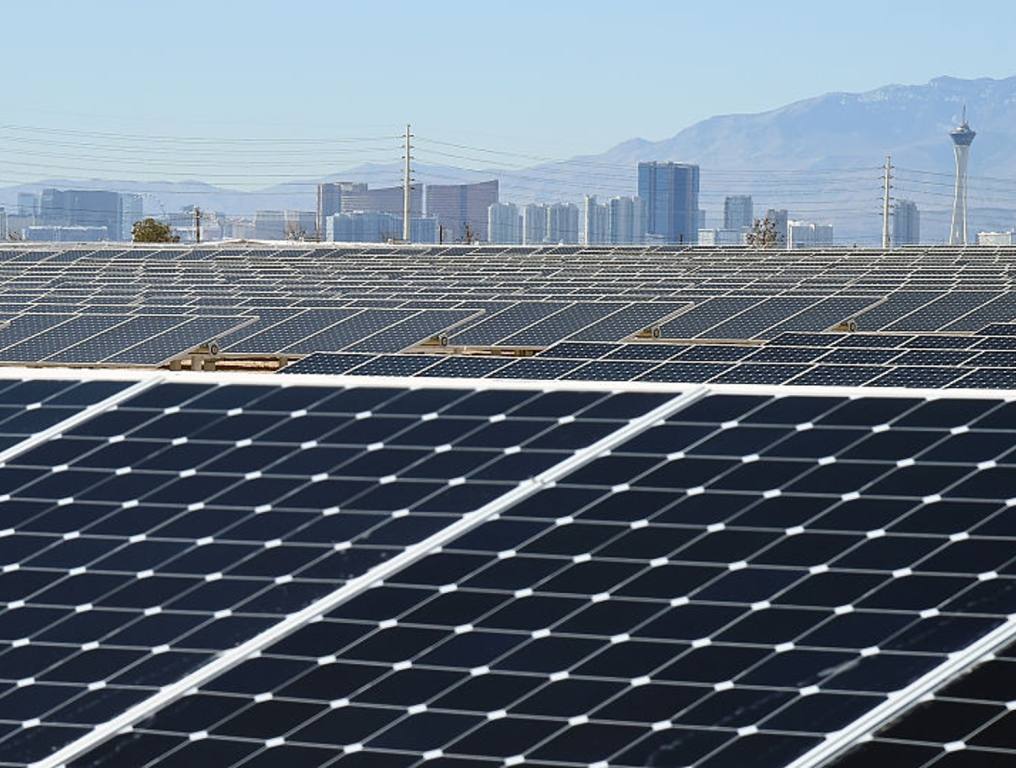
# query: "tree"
763 234
151 231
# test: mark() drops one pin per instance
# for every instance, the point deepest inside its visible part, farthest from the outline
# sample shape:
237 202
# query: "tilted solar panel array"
138 305
238 571
249 574
142 544
973 361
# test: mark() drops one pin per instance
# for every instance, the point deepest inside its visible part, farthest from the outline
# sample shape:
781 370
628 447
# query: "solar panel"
466 367
968 723
327 362
714 591
156 537
646 351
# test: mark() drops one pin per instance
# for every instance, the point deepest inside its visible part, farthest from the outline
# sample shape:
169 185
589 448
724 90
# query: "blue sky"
550 78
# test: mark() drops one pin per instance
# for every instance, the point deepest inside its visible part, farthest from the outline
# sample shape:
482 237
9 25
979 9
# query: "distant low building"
779 218
808 234
285 225
238 229
132 210
722 236
66 234
16 224
83 208
270 225
378 227
996 238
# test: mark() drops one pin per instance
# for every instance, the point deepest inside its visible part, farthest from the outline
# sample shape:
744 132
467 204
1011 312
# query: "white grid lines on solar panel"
934 288
742 581
968 722
233 506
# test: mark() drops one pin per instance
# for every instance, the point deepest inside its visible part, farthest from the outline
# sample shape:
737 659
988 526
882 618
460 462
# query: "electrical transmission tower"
887 178
407 189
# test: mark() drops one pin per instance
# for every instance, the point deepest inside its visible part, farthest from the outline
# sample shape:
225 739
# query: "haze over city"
554 111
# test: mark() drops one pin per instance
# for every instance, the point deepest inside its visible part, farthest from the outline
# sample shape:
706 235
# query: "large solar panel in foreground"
164 532
729 577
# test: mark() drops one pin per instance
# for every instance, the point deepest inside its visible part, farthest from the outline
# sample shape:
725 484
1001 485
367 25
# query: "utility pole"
407 189
887 176
197 224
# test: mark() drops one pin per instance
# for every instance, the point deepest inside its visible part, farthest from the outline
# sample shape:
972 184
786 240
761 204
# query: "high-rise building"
671 192
534 224
906 223
457 206
384 199
132 210
82 208
3 224
595 222
627 220
504 225
808 234
779 218
28 204
962 137
737 212
562 223
329 201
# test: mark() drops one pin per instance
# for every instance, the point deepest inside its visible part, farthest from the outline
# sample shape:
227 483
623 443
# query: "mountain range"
819 157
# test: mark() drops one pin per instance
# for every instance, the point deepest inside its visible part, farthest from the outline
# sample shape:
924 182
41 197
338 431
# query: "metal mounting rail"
355 586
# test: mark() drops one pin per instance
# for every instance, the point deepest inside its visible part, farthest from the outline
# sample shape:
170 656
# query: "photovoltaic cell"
151 538
969 723
715 592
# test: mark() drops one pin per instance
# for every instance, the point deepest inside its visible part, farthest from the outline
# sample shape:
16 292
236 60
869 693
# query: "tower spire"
962 137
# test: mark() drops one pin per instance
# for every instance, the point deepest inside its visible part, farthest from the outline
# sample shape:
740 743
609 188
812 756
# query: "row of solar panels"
386 300
147 340
223 571
996 375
